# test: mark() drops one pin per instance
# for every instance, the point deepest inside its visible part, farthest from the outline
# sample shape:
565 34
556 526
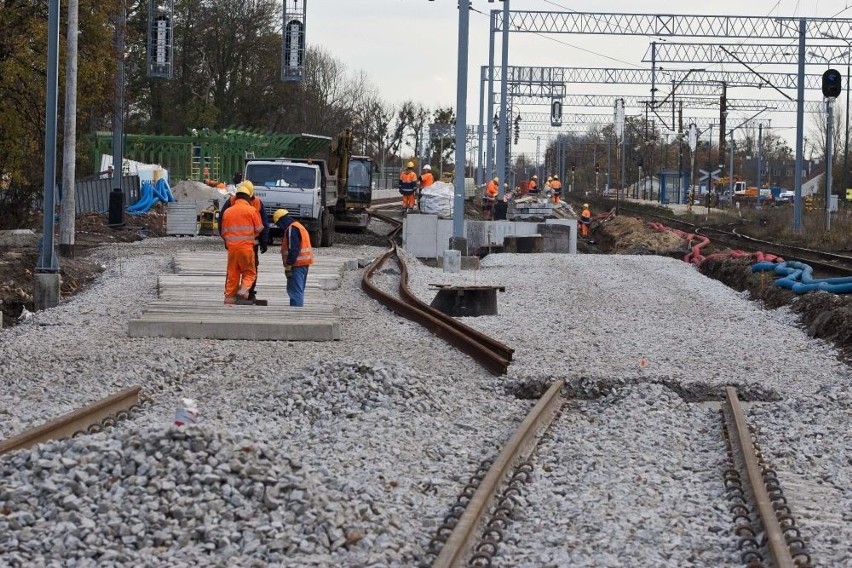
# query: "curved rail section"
461 543
91 418
776 525
488 352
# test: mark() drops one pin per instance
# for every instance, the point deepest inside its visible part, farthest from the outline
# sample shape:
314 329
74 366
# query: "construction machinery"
207 219
322 192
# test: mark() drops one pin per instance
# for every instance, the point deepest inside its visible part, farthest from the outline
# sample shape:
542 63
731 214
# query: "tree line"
227 58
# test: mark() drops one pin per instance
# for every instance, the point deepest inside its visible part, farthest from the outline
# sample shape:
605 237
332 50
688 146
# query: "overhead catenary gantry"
747 28
752 54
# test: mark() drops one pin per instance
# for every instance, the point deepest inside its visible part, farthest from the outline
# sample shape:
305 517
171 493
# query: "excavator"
355 174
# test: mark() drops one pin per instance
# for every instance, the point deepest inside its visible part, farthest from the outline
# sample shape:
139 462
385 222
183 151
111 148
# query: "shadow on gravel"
589 388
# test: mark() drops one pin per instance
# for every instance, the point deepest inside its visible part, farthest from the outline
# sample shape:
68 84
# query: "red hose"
695 257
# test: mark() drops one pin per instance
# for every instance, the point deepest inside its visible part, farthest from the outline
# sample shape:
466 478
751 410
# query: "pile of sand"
189 190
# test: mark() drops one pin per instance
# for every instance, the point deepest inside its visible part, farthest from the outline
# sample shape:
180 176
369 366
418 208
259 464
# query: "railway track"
490 353
90 419
766 532
826 263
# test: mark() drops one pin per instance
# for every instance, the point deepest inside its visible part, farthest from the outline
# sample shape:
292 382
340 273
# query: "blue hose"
798 277
149 195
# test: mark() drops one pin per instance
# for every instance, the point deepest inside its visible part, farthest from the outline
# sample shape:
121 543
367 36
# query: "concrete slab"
572 224
214 320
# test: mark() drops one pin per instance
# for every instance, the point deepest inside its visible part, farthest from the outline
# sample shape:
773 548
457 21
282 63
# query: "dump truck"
321 192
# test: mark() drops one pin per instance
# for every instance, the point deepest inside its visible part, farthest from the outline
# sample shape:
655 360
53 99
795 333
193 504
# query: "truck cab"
303 187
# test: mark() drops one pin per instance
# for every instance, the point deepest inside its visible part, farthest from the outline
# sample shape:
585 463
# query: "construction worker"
407 186
585 220
240 226
533 186
556 190
426 179
262 243
296 254
489 198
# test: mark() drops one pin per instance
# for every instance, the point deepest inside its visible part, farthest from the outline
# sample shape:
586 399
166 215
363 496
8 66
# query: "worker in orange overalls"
585 220
263 240
296 254
533 186
489 198
241 225
407 187
556 190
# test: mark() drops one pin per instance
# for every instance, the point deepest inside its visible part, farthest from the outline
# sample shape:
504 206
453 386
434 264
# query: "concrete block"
470 263
572 223
46 290
557 238
523 244
452 261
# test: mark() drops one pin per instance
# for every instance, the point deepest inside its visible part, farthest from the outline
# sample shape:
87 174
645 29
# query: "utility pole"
845 177
69 150
503 137
458 242
759 146
47 279
116 197
731 172
723 115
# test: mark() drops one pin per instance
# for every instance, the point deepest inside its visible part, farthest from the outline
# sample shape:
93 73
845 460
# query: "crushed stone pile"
135 496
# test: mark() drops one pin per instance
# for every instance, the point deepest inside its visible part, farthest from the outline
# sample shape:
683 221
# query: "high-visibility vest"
586 216
556 185
241 224
427 179
306 253
491 189
407 181
533 186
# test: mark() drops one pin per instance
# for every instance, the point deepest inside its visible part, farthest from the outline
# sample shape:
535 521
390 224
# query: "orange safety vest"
586 215
407 181
533 186
241 224
306 253
427 179
556 186
491 189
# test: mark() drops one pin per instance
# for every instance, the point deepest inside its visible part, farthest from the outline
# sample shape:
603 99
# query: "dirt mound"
628 235
189 190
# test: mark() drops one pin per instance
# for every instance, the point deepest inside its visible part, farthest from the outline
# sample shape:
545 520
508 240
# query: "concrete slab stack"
190 302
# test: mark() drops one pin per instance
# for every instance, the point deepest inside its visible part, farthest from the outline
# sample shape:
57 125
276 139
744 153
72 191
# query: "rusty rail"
746 457
488 352
460 544
79 420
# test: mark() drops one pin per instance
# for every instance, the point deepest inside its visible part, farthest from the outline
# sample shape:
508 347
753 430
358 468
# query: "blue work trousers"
296 285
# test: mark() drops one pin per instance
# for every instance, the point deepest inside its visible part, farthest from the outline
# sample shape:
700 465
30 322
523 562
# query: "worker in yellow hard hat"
247 187
489 198
240 226
296 254
585 220
408 186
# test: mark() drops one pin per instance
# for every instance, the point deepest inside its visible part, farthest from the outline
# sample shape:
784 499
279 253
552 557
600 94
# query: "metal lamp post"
845 177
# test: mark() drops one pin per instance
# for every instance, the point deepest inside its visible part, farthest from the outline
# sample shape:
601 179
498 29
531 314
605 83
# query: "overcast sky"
409 48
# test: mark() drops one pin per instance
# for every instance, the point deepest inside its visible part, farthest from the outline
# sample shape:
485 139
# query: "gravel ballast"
378 422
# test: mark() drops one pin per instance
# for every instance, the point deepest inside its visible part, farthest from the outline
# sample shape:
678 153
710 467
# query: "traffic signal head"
831 83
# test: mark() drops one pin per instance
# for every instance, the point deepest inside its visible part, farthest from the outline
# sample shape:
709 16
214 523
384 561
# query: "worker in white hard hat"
408 186
426 179
296 254
533 185
585 220
556 189
241 225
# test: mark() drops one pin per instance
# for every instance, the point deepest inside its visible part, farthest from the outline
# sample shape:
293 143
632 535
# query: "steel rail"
744 449
468 344
461 541
67 425
490 353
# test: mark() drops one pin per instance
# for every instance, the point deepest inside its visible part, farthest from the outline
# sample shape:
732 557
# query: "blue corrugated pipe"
798 277
149 195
